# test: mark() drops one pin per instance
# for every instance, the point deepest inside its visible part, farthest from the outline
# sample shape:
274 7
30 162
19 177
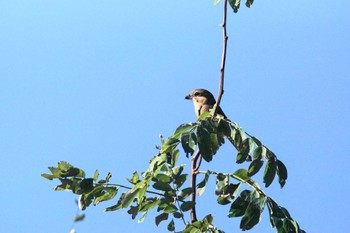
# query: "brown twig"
194 170
223 59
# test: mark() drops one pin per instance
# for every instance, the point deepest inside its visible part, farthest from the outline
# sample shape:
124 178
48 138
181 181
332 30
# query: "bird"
203 101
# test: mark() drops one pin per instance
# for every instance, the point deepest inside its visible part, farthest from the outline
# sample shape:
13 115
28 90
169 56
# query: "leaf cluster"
162 186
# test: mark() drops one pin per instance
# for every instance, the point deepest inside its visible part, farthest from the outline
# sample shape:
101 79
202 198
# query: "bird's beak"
188 97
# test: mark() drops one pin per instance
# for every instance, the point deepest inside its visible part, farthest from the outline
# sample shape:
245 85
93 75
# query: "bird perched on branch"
203 101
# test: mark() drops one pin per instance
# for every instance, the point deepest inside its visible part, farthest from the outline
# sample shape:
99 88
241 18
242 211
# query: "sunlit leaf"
96 175
241 174
201 185
108 194
182 129
129 197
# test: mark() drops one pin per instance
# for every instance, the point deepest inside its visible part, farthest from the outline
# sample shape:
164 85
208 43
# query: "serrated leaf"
270 172
185 206
254 167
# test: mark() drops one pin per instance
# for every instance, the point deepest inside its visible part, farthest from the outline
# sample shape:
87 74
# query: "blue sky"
96 82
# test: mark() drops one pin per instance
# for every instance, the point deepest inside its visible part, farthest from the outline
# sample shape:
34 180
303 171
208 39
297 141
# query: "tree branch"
194 170
223 59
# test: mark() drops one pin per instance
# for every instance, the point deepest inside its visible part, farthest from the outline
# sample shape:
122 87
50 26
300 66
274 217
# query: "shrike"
203 101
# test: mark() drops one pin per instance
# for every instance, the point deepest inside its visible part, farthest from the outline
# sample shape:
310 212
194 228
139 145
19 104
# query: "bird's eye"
197 94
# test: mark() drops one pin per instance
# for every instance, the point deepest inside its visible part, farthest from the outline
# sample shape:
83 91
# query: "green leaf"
182 129
253 212
108 194
79 217
96 175
184 193
242 155
170 209
48 176
134 179
161 217
162 186
185 206
282 173
188 142
163 178
249 3
179 181
234 5
133 211
254 167
239 206
129 197
169 145
86 185
144 215
270 172
207 138
201 185
216 2
241 175
171 226
177 171
221 182
257 154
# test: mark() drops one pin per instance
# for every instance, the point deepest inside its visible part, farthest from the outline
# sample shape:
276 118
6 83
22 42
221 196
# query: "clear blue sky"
96 82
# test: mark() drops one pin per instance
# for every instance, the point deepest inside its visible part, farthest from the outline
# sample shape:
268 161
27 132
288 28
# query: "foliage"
235 4
161 186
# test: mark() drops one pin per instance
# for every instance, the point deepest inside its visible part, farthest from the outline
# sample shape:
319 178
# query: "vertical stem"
194 169
223 59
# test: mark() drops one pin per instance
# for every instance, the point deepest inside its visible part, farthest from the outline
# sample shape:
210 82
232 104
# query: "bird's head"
201 96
